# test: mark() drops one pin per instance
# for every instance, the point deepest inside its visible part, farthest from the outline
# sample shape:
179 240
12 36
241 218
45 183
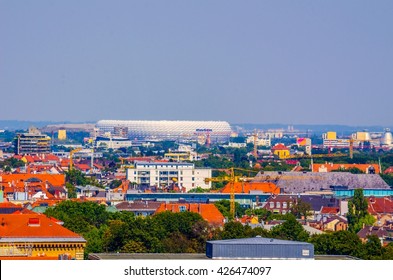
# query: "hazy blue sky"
299 62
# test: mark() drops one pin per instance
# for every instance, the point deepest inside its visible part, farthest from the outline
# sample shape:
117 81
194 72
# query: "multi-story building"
266 141
112 142
214 131
32 142
163 174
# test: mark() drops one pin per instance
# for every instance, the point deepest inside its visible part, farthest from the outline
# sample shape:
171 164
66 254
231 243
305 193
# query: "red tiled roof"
280 146
53 179
380 205
330 210
209 212
388 170
82 166
336 166
246 187
32 226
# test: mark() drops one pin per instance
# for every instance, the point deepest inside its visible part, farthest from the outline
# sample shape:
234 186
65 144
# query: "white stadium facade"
218 131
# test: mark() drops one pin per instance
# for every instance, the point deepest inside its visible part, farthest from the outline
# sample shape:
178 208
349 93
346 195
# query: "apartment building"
163 174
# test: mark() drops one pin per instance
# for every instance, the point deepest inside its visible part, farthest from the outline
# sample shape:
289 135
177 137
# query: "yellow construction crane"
255 151
351 141
232 179
317 156
72 152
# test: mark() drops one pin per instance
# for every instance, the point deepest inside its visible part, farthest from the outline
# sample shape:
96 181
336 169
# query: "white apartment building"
165 173
260 141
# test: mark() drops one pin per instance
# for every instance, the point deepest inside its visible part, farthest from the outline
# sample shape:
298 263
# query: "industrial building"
259 248
162 174
112 142
32 142
214 131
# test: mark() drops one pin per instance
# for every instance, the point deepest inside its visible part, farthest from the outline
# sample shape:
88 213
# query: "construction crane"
232 179
72 152
317 156
255 151
351 142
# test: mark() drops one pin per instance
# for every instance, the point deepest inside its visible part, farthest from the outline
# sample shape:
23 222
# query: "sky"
295 62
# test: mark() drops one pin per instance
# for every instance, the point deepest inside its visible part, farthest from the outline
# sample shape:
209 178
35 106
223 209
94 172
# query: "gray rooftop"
297 182
256 240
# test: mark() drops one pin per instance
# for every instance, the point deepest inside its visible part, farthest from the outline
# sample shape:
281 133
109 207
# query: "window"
192 178
284 212
271 204
182 208
278 204
284 205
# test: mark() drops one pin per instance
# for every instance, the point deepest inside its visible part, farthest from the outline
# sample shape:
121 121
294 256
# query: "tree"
71 190
337 243
373 248
290 230
357 209
224 207
301 209
133 246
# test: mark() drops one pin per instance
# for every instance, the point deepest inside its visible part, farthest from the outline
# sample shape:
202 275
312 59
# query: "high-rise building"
32 142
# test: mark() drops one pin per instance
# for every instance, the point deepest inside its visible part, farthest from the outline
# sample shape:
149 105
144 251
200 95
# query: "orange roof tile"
54 179
246 187
209 212
330 210
32 226
380 205
280 146
336 166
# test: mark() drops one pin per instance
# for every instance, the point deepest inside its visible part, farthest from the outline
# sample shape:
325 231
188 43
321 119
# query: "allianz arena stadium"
217 131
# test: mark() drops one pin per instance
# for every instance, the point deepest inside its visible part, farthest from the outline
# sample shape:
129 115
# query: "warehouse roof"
257 240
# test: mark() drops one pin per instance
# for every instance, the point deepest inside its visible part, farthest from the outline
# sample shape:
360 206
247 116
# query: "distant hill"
23 125
314 129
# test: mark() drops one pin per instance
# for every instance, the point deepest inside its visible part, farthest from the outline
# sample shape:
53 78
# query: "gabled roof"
209 212
30 227
82 166
330 210
279 147
139 206
380 205
389 170
373 230
54 179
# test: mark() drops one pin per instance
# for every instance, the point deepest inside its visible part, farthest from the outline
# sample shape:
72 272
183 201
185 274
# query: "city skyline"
262 62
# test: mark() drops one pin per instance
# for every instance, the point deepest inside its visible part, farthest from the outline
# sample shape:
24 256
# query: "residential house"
139 207
385 234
